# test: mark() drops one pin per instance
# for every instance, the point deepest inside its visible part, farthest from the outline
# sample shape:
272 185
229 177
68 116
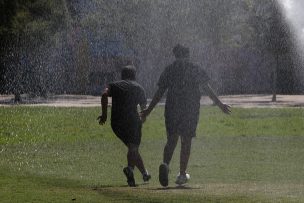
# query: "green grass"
50 154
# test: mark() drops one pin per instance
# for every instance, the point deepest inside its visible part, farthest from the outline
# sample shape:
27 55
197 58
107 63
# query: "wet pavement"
245 101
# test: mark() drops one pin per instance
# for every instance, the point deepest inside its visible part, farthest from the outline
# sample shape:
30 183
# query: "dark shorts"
182 125
128 133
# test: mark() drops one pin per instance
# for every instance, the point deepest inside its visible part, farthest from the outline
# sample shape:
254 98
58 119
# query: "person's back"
126 96
183 79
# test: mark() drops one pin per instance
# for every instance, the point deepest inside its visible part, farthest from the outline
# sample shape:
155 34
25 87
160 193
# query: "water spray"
292 11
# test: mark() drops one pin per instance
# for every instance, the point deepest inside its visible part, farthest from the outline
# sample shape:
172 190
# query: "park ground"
54 151
245 101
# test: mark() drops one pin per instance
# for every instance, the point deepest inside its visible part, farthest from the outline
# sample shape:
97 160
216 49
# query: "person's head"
180 51
128 72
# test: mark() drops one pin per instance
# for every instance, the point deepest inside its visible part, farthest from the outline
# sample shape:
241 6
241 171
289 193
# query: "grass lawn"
50 154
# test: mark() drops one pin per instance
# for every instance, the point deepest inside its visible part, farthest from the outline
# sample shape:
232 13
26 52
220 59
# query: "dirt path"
245 101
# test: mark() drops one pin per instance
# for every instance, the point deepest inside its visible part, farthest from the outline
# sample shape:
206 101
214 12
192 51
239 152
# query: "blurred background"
78 46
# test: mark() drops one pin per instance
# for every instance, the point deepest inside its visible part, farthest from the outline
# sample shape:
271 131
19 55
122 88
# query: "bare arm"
142 107
104 107
156 98
224 107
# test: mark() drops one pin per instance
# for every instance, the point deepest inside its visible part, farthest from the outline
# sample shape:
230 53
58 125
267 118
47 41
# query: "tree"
272 34
27 30
278 42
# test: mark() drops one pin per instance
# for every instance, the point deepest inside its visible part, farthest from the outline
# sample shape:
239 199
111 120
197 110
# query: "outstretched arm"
142 108
224 107
156 98
104 107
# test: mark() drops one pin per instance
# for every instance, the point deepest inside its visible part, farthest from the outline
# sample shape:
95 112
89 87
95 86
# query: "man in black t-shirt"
126 95
183 81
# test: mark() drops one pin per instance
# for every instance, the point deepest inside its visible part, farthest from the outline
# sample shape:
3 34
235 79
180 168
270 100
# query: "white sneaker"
182 179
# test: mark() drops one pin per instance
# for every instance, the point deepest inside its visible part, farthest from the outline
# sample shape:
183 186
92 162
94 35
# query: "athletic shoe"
163 174
182 179
130 176
146 177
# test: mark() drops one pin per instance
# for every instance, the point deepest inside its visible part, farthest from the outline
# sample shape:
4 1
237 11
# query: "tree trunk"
274 80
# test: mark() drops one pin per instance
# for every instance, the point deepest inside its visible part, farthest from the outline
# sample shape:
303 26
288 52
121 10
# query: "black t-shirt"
182 79
126 96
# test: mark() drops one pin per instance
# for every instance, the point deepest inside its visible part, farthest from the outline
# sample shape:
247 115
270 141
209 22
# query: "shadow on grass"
179 187
41 181
156 195
46 188
100 187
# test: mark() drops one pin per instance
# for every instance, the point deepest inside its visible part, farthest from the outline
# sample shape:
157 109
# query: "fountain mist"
293 12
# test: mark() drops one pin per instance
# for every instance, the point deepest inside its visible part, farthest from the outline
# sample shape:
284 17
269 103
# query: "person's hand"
225 108
143 114
102 119
142 119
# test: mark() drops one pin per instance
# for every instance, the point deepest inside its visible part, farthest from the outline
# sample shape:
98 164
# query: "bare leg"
134 158
185 153
169 148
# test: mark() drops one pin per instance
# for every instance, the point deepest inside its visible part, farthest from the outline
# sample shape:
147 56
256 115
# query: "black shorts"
128 133
183 125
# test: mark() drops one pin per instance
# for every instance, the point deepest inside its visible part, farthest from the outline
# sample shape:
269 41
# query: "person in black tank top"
126 95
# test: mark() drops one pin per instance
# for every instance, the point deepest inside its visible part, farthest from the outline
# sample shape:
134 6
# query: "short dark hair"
128 72
180 51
